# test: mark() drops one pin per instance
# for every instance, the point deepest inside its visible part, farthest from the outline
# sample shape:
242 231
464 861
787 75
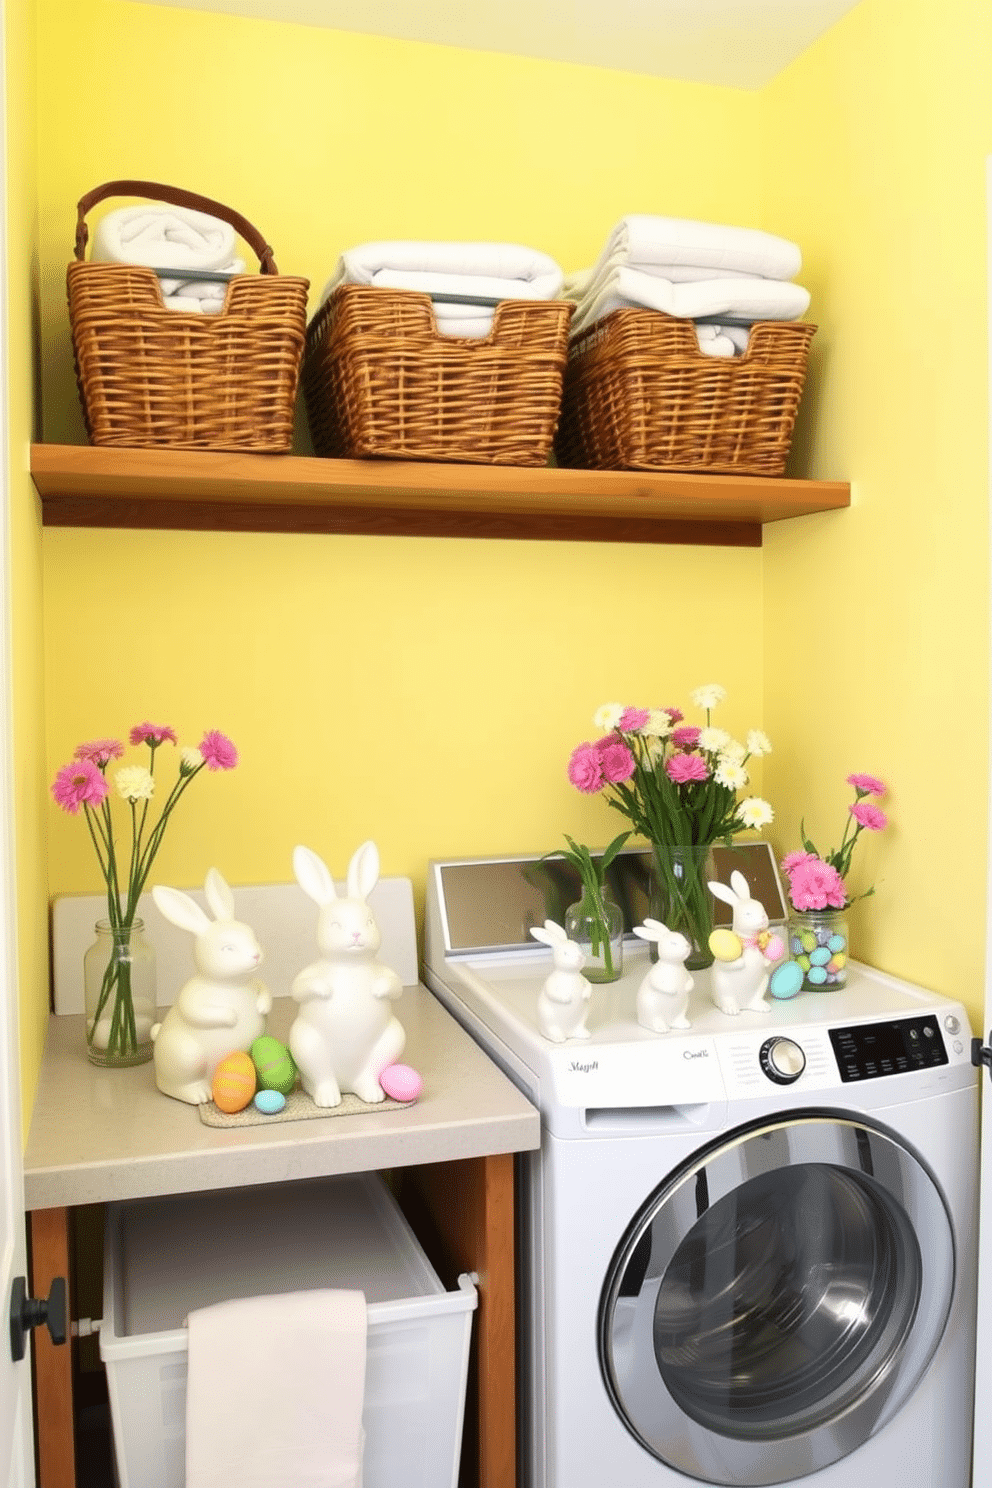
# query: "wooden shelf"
83 486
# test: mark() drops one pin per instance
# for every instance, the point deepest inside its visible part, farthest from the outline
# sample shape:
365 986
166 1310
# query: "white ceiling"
733 43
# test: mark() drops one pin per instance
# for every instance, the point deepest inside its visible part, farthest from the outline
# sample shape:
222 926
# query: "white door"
982 1473
16 1447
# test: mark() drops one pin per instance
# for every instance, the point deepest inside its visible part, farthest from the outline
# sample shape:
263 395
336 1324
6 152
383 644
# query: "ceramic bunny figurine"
743 954
345 1033
220 1009
563 1001
663 995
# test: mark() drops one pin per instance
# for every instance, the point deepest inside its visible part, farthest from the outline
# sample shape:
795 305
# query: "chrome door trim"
847 1157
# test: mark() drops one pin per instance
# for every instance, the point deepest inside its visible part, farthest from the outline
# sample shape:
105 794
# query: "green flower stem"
686 905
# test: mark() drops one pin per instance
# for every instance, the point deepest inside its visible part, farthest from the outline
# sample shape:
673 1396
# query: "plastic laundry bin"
165 1257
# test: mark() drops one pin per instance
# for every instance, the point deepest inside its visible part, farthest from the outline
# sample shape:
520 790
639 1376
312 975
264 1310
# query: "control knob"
782 1060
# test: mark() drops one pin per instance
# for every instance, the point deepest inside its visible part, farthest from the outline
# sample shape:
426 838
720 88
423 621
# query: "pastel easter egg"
269 1101
817 975
819 957
725 945
795 945
274 1064
807 940
234 1082
836 963
774 948
836 943
786 980
803 962
400 1082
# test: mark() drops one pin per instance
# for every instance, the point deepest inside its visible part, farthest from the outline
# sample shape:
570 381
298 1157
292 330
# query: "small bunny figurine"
663 995
563 1001
223 1007
345 1033
743 954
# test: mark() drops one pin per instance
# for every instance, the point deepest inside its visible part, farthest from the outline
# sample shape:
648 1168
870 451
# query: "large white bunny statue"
663 995
345 1033
220 1009
744 954
563 1001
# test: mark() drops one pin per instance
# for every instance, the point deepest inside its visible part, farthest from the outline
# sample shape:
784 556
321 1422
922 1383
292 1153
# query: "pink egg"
400 1082
775 949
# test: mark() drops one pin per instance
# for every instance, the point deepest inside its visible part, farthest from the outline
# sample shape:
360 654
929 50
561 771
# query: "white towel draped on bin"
177 238
477 274
275 1391
728 277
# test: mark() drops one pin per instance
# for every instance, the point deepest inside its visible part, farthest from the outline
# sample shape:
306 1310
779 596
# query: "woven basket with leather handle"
151 376
380 380
640 395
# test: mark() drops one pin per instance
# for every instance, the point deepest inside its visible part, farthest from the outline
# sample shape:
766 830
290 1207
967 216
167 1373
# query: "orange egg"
234 1082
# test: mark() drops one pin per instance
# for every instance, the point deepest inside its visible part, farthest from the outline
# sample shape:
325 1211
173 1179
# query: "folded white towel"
275 1391
642 241
478 275
172 238
743 299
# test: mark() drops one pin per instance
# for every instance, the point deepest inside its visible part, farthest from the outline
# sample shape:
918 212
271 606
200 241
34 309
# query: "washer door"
777 1300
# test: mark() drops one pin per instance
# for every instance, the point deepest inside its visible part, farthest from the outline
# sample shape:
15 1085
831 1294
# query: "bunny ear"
740 884
363 871
219 895
651 930
179 909
720 891
313 876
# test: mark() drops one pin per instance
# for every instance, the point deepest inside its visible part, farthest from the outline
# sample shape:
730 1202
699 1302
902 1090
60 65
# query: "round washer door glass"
777 1300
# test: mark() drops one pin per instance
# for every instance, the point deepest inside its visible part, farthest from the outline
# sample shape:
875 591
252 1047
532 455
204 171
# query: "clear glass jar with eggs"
819 941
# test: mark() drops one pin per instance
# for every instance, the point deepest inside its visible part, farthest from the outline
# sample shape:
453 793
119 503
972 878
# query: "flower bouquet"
818 893
118 1030
596 923
678 785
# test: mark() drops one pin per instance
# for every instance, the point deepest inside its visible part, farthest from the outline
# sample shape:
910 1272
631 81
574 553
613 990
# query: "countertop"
99 1135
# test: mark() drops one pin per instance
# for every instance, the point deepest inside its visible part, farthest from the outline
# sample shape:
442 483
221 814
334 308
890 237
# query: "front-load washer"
746 1249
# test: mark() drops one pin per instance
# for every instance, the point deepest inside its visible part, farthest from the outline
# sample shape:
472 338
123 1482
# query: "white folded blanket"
742 299
172 238
644 241
465 280
275 1391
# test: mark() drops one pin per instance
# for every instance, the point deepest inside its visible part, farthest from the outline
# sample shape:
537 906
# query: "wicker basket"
151 376
640 395
380 380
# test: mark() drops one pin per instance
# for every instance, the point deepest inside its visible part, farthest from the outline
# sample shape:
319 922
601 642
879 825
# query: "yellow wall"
877 621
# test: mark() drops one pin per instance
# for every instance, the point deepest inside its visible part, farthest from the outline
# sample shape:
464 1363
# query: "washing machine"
746 1249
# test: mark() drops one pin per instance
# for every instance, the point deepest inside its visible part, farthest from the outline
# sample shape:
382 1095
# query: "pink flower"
79 784
792 860
632 720
615 759
99 751
218 751
867 785
815 885
152 733
585 769
867 815
675 714
685 738
684 768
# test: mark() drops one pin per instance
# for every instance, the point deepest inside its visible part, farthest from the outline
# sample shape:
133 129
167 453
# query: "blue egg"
269 1102
817 975
819 957
786 980
837 943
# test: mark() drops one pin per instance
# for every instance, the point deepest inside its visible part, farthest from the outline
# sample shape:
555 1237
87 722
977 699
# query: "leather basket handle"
176 197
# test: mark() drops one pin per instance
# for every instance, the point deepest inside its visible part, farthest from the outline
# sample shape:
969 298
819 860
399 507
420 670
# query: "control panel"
870 1051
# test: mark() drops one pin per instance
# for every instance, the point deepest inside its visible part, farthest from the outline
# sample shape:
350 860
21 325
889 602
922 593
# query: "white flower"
190 759
707 697
713 740
758 743
654 753
134 783
608 716
754 812
733 753
659 723
730 774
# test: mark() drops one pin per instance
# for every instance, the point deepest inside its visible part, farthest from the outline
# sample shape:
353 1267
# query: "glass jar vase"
679 896
595 923
818 943
120 995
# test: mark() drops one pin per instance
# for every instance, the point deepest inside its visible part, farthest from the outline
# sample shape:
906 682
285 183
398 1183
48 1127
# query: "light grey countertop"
98 1135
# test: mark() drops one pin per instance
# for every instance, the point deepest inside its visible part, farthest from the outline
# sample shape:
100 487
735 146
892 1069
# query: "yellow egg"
726 945
234 1082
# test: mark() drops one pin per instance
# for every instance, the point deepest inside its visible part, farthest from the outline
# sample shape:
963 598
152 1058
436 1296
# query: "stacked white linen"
464 280
197 248
722 278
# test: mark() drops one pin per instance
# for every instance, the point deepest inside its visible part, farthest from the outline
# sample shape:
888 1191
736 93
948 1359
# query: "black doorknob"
29 1312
